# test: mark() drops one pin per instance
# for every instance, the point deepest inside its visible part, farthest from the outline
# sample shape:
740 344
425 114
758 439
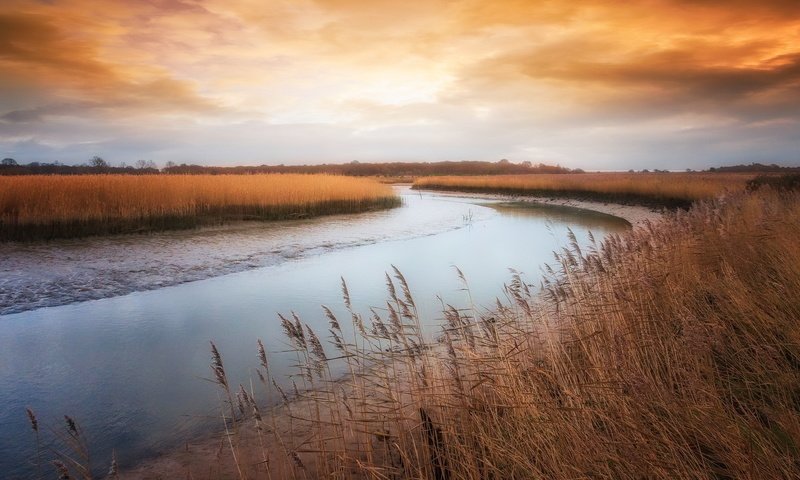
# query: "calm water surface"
130 368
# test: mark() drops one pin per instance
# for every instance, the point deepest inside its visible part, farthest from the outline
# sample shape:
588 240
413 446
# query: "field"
670 189
44 207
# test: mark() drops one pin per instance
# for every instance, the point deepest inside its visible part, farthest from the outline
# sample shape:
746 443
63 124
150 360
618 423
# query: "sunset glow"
595 84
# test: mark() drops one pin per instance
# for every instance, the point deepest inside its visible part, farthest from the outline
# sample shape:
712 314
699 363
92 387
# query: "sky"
593 84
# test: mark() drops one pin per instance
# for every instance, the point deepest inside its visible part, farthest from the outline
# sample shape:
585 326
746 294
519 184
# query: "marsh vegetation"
45 207
658 189
668 352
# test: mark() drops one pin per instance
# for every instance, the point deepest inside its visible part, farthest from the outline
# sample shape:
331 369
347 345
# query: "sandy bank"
636 215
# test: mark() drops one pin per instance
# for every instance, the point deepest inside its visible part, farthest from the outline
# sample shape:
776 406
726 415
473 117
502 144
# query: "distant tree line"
389 169
9 166
392 169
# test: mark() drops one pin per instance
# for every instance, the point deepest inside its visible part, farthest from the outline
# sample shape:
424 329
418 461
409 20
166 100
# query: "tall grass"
672 351
34 207
670 189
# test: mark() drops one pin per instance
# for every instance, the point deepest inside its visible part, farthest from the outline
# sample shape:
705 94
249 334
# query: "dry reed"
672 351
669 189
34 207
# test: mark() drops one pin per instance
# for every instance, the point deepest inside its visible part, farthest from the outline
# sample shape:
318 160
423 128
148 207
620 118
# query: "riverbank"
661 350
636 215
59 272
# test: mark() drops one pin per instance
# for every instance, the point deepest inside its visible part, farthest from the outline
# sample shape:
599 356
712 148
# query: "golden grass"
59 206
672 351
669 188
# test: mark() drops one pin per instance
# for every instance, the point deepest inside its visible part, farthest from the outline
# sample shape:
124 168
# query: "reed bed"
43 207
662 189
672 351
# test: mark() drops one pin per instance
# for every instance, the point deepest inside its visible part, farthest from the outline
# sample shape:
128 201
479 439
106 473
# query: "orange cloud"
391 73
38 50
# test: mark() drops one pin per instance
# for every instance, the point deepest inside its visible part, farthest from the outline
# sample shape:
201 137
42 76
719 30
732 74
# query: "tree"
9 162
98 162
144 164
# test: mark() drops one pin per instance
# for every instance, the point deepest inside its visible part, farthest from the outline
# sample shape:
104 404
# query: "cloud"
40 52
650 85
588 82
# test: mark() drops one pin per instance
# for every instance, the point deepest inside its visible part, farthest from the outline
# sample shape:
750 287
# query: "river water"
114 331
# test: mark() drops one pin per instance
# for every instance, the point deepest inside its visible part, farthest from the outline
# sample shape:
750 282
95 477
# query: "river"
114 331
